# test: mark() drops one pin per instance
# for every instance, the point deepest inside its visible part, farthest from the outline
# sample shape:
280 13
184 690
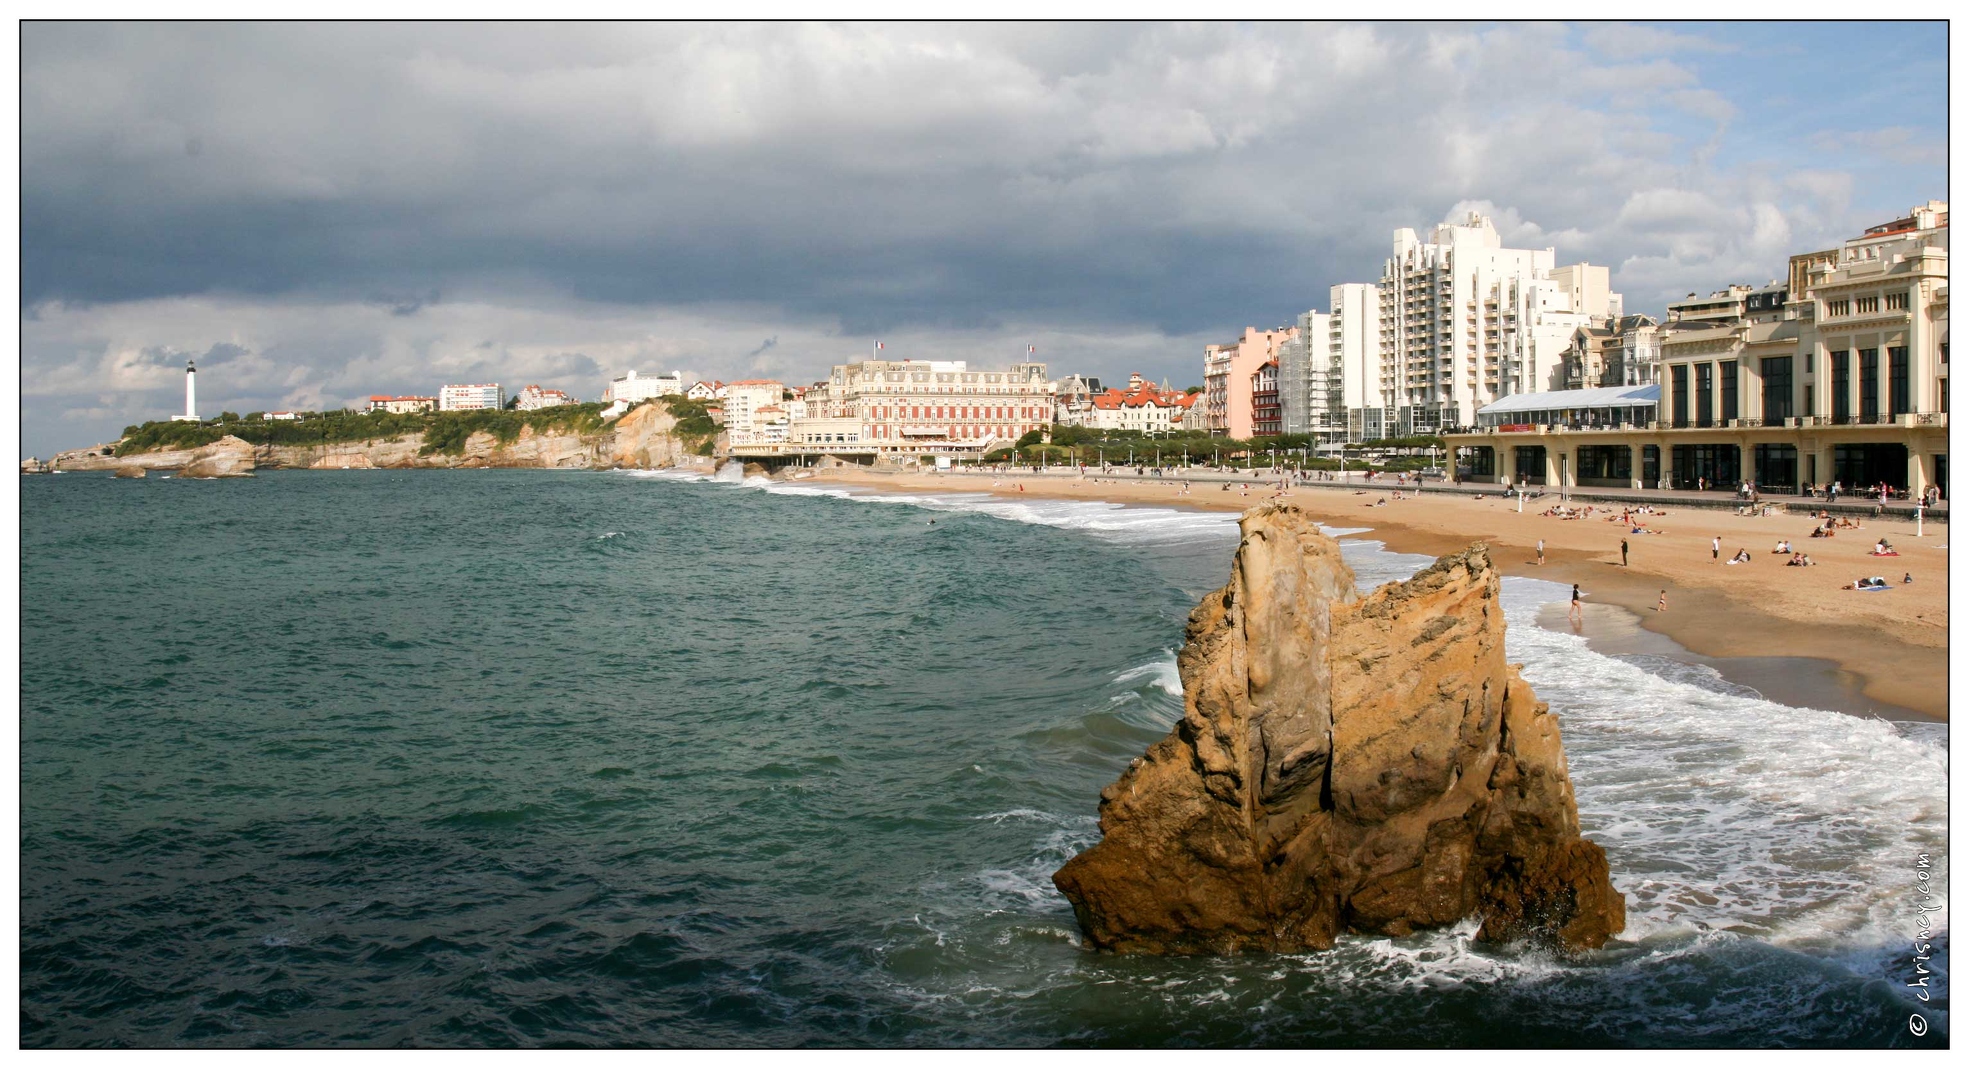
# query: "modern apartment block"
1840 373
470 397
1304 377
1465 321
1330 373
744 402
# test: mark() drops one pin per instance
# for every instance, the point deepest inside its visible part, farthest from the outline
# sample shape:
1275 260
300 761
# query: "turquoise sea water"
520 758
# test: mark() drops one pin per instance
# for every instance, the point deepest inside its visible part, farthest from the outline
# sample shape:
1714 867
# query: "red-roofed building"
539 397
1143 407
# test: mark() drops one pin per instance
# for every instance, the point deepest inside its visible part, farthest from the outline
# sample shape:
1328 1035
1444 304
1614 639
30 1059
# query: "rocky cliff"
641 438
1344 763
227 458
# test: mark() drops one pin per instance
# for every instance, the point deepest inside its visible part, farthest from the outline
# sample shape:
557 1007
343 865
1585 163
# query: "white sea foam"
681 475
1160 673
1725 816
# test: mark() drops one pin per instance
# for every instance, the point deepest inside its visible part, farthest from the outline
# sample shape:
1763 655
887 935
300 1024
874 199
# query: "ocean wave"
1726 817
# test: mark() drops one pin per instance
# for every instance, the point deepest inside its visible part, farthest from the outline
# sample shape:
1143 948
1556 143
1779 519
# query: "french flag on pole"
1030 350
878 346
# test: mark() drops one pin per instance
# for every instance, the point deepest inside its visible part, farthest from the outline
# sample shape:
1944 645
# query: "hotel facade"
912 408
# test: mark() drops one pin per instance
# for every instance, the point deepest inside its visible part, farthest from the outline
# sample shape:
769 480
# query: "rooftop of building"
1596 397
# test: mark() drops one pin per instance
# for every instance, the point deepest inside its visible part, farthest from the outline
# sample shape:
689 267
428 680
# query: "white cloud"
1638 39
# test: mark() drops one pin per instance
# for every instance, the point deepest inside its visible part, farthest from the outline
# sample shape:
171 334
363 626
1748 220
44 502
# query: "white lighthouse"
191 395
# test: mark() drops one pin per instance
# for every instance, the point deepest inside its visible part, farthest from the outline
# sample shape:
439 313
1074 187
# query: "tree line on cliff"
444 432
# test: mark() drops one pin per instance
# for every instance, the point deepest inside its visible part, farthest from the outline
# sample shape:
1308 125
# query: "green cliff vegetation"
444 432
694 424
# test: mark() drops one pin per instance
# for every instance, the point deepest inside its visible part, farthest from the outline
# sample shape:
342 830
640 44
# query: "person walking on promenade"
1716 549
1661 604
1541 551
1623 552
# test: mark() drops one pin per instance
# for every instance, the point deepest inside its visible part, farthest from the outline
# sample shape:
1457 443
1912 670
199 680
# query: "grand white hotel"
910 408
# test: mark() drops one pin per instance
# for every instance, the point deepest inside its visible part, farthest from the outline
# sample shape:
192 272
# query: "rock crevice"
1344 763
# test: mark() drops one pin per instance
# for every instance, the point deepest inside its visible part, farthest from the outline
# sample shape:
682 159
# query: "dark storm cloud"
670 194
946 175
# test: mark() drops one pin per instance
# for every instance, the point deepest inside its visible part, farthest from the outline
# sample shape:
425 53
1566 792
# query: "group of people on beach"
1830 524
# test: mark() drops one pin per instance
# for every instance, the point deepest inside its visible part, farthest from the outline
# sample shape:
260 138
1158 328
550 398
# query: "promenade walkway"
1543 496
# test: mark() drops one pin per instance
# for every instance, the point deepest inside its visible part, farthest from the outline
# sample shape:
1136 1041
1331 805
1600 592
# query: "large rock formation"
1344 763
227 458
342 461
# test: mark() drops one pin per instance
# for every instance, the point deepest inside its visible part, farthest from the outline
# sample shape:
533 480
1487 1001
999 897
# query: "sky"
317 213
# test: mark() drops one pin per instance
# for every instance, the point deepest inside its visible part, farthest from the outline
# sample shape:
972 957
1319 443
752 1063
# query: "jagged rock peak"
1344 763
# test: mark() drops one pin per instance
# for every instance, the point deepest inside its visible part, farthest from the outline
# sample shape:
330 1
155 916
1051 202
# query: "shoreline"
1888 652
1797 682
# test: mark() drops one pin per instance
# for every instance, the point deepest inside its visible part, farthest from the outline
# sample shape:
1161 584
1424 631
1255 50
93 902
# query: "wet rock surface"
1344 763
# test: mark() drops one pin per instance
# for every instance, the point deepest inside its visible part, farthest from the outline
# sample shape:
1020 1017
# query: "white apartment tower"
1465 321
1353 341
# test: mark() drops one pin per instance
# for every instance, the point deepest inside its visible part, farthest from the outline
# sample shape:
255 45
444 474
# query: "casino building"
1838 374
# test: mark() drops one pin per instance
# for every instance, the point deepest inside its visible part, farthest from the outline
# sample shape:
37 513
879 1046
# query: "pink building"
1229 372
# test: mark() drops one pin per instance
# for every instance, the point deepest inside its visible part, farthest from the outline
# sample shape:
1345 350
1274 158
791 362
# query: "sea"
550 758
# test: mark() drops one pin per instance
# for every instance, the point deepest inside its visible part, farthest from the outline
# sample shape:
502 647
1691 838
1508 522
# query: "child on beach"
1661 604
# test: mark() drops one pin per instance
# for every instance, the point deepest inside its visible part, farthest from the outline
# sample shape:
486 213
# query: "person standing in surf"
1574 613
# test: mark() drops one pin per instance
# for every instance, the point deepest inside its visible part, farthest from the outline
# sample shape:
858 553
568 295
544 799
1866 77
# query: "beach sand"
1895 644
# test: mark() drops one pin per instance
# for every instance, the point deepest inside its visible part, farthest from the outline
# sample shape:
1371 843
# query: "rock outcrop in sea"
1345 762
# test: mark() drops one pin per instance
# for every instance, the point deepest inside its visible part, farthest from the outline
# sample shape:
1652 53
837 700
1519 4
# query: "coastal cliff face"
1344 763
641 438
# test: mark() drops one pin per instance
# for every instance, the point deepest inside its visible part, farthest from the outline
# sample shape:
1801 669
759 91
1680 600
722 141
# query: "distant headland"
653 433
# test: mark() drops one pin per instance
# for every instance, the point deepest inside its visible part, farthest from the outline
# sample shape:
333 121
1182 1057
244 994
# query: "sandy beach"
1894 642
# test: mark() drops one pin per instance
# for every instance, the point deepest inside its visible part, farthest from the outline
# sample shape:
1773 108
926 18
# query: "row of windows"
1777 393
951 412
1845 306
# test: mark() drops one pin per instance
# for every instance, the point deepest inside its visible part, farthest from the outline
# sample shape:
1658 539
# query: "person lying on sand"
1742 557
1871 582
